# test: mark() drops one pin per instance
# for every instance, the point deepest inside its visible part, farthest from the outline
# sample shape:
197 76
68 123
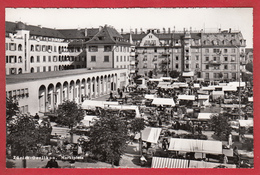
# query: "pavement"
129 160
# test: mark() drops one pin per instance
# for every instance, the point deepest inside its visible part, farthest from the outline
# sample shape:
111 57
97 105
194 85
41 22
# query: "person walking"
52 164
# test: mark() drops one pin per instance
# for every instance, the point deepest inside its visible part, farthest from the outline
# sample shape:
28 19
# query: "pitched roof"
247 50
107 35
73 33
34 30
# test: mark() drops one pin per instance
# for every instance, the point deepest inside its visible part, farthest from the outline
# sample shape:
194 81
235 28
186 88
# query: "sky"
132 18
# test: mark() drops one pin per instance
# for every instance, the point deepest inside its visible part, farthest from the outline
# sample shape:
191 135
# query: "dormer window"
107 48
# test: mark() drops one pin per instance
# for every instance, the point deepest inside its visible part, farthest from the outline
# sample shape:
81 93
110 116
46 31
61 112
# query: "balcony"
214 62
165 54
132 54
243 62
166 61
187 61
132 71
132 62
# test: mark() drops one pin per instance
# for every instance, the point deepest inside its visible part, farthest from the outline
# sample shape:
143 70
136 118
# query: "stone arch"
65 91
50 98
72 90
58 95
93 87
78 91
83 90
42 98
20 71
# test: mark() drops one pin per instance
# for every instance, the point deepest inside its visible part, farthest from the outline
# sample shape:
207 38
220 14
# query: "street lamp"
239 91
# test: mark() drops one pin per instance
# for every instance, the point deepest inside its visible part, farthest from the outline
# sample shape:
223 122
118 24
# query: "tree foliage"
136 125
12 109
69 114
221 126
24 133
174 74
108 137
249 67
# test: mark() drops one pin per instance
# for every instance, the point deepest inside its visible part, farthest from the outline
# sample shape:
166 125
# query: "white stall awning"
188 74
149 96
163 101
163 162
203 97
192 145
150 134
229 88
205 116
90 104
186 97
250 99
246 123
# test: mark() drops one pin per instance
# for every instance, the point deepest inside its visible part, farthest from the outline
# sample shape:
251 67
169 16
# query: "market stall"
92 104
205 116
192 145
150 134
163 101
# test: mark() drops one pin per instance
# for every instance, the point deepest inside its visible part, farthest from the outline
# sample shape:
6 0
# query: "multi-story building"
32 49
35 52
210 55
108 49
249 55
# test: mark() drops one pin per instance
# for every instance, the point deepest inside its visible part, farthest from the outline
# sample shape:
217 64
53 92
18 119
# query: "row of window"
46 69
19 93
225 67
122 59
93 58
58 58
13 59
233 58
123 66
109 49
220 75
42 48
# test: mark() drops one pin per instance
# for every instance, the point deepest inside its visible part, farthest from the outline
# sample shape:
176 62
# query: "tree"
24 133
221 126
136 125
69 114
249 67
12 109
108 137
174 74
150 74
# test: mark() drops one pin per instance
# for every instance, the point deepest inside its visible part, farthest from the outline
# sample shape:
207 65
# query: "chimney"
135 31
40 26
169 30
219 30
86 32
190 29
141 30
122 31
174 29
229 30
100 27
184 30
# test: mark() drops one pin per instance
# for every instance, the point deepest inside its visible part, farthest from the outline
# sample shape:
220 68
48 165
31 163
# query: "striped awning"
162 162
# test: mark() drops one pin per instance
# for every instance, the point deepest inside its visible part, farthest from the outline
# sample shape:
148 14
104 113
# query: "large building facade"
43 92
210 55
32 49
39 63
